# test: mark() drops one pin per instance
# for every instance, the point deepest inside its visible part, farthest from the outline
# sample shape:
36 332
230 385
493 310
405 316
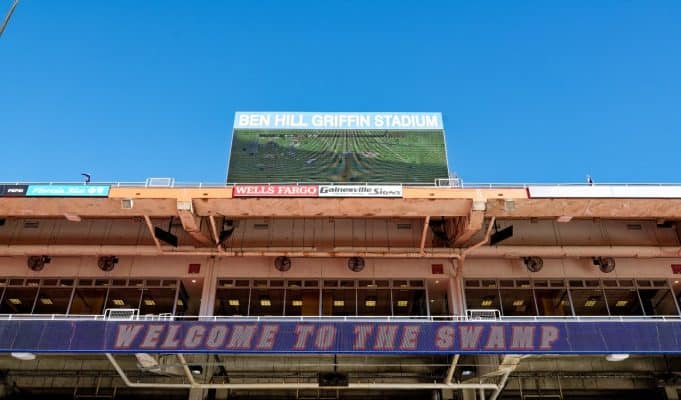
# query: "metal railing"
330 318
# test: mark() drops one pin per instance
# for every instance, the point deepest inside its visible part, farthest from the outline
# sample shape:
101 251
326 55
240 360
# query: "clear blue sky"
531 91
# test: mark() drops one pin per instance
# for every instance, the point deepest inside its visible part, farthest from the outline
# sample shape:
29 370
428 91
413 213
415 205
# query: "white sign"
360 191
338 120
606 191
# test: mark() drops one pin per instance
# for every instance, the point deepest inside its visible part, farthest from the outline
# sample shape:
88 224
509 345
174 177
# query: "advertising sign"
360 191
275 191
68 191
338 120
13 190
369 337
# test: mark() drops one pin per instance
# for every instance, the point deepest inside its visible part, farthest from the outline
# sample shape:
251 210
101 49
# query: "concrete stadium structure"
189 291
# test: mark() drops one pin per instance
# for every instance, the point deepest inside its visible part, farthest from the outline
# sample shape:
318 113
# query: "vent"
404 226
31 224
127 204
261 226
634 227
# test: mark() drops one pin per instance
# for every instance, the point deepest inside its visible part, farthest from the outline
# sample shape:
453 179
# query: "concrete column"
455 290
469 394
671 393
209 288
197 394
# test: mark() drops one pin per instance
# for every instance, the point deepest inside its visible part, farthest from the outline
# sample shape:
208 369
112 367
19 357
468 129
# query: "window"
553 301
517 302
589 302
658 302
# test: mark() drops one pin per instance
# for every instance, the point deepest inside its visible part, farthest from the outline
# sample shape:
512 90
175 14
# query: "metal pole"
8 16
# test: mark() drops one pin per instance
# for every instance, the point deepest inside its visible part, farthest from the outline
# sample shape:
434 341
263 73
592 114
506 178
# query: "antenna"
8 16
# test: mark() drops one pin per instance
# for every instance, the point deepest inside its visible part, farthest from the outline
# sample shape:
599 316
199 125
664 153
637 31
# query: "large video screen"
337 155
337 147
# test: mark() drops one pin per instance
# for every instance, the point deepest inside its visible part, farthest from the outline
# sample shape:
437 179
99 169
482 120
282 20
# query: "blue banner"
374 337
67 191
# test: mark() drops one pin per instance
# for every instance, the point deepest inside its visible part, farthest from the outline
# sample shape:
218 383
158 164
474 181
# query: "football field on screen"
270 156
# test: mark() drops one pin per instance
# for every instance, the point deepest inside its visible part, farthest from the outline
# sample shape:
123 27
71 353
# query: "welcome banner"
362 337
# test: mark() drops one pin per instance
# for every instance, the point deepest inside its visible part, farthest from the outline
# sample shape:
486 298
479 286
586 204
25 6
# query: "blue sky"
530 91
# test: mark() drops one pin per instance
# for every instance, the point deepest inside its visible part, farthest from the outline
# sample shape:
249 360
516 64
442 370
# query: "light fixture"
564 218
616 357
149 302
356 264
676 281
46 301
518 302
196 369
621 303
402 303
37 263
282 263
193 280
118 302
339 303
370 301
107 263
265 301
233 302
14 301
437 282
605 264
591 301
467 371
533 264
180 302
24 356
486 301
297 303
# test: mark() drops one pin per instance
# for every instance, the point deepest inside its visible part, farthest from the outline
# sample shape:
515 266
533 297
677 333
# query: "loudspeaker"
439 229
165 236
355 264
37 263
533 264
335 379
107 263
605 264
498 236
282 263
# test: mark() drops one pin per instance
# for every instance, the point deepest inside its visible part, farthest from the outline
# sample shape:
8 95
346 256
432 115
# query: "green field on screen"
260 156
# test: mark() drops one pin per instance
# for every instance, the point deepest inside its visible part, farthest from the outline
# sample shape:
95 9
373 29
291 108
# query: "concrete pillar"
196 394
671 393
455 292
469 394
209 288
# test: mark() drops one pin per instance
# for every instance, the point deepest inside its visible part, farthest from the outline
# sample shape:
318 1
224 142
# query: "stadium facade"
331 288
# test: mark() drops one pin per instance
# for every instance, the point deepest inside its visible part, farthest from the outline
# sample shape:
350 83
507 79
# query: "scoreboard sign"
341 148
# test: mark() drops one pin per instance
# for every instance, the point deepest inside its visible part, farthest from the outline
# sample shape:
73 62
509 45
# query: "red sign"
676 269
275 191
